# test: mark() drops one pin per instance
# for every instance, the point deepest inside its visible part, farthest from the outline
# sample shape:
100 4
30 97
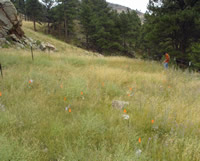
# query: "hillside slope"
164 106
120 8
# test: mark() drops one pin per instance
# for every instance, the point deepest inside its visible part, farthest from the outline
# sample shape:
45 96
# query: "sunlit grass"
36 126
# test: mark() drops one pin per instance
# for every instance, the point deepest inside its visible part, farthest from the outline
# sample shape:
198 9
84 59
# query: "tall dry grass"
36 126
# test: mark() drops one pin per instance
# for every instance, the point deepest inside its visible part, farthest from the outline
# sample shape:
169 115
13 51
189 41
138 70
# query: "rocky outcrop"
9 21
11 33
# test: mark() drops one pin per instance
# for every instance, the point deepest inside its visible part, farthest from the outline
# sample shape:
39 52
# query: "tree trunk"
65 25
48 29
34 24
124 43
87 42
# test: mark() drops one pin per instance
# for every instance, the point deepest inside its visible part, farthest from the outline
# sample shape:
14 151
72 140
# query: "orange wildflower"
139 140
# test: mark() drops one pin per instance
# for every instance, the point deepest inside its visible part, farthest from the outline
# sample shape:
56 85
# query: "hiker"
166 61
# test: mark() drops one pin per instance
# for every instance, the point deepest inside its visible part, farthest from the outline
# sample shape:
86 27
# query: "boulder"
2 41
14 38
50 47
9 21
47 47
42 46
19 45
119 104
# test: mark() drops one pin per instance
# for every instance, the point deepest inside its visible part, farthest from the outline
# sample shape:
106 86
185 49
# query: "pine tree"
48 6
172 25
34 11
20 5
129 24
69 10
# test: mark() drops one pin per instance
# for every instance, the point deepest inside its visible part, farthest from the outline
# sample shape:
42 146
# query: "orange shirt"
167 58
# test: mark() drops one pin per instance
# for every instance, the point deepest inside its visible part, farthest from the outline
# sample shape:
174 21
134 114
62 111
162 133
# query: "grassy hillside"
35 126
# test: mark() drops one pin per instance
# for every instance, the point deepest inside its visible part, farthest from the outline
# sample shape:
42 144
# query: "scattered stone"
2 107
125 116
50 47
14 38
119 104
2 40
47 47
19 45
45 150
42 46
138 152
8 43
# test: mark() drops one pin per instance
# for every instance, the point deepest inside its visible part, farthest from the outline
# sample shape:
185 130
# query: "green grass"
36 127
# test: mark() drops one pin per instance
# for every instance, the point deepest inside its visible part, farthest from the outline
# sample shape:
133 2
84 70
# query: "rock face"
11 33
9 21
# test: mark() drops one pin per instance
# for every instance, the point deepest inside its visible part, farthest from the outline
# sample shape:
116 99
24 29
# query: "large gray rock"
2 40
50 47
119 104
9 21
47 47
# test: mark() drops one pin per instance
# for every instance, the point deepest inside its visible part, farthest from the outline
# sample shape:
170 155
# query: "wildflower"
125 111
65 98
30 81
66 108
81 93
152 121
139 140
0 94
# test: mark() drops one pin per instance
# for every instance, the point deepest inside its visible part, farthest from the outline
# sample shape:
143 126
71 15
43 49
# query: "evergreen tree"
107 31
69 10
129 30
34 11
20 5
48 5
173 25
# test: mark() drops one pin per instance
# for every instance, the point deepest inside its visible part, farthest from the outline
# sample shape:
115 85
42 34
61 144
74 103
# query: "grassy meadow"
35 125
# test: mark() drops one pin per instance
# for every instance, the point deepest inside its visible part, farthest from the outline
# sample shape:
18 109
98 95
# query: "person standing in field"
166 61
